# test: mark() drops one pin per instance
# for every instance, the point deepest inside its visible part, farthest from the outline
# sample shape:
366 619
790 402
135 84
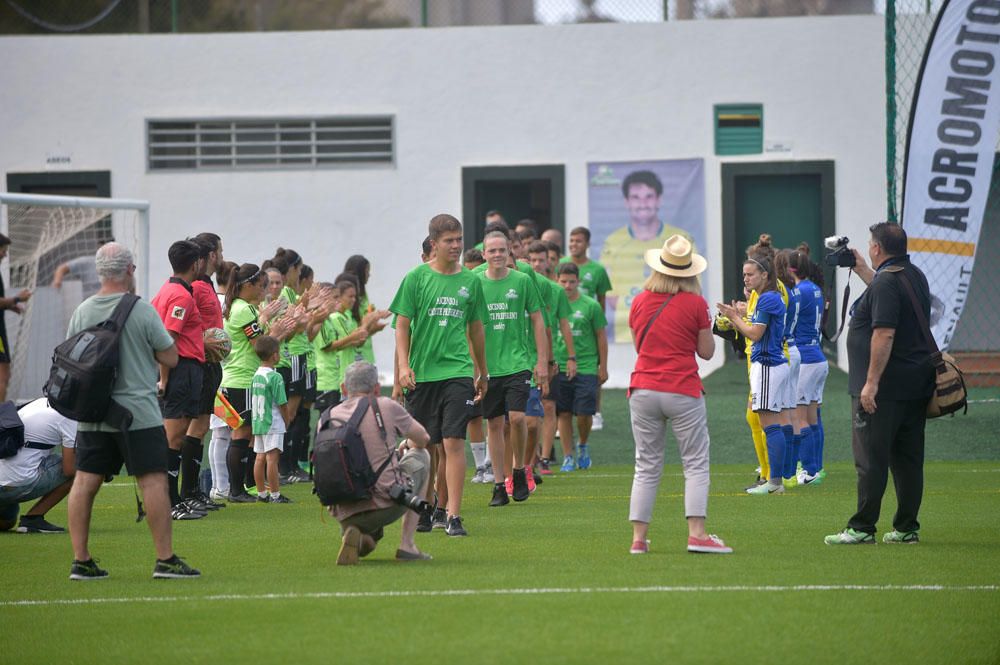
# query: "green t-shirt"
366 349
267 393
509 303
345 324
138 371
439 308
329 374
594 279
243 328
585 319
299 343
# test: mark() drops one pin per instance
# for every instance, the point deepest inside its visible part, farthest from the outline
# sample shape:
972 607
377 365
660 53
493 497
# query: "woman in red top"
670 324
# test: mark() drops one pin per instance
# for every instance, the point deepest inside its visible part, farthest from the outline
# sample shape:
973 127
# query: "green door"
791 201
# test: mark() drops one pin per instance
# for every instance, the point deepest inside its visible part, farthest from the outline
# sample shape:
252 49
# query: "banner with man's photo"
636 206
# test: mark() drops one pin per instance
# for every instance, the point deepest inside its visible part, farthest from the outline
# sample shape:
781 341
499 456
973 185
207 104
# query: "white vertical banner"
954 124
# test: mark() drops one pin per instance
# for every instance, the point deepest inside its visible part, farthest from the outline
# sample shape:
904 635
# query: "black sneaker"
424 523
182 512
537 477
455 527
279 498
263 499
174 568
196 506
207 501
241 498
521 491
499 496
86 570
37 524
440 519
301 475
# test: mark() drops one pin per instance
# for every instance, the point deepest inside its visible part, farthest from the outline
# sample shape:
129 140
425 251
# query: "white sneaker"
218 495
766 488
488 476
598 423
477 477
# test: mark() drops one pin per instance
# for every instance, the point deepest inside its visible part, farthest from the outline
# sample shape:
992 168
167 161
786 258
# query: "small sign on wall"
58 160
779 146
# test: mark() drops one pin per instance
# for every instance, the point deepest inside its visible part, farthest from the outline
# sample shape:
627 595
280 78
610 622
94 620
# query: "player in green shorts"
511 302
578 397
440 351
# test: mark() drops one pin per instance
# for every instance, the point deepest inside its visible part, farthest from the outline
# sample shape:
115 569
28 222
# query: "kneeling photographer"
400 473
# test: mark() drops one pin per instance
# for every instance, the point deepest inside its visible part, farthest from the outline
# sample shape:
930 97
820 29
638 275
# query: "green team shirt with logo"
299 343
509 304
267 393
329 374
243 329
594 279
439 308
366 349
586 317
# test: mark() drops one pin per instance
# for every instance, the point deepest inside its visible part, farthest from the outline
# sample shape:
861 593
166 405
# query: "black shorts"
239 399
310 395
442 407
578 396
104 453
507 393
4 345
555 383
326 400
183 396
294 375
210 380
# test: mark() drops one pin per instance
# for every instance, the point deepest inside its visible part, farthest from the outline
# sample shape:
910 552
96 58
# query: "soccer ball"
218 334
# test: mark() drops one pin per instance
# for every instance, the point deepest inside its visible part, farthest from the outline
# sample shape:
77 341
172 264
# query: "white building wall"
536 95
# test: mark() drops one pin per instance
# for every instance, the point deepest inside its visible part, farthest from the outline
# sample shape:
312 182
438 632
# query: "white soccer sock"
479 453
217 449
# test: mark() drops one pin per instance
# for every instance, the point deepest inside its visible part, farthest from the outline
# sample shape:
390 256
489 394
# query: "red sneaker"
639 547
709 545
544 467
531 479
509 484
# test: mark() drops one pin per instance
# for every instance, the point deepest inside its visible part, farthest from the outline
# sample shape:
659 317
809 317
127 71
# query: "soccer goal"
53 240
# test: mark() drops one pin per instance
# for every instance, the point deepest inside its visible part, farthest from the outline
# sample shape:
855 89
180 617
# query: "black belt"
39 446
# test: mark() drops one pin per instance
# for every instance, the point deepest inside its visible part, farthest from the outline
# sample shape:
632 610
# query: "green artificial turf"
550 580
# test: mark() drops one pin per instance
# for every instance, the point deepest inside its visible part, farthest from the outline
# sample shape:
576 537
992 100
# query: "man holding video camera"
890 379
398 490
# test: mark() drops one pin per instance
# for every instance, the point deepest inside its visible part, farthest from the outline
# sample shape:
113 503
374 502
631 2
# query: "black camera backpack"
342 472
85 367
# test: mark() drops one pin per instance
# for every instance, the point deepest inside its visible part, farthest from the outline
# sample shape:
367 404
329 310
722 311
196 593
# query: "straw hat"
676 258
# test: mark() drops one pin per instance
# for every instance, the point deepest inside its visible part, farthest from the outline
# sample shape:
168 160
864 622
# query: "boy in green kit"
578 397
440 351
510 297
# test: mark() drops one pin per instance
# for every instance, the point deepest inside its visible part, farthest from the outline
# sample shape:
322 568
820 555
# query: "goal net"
53 240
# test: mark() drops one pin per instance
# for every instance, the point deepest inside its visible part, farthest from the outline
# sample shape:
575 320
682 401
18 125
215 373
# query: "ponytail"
245 274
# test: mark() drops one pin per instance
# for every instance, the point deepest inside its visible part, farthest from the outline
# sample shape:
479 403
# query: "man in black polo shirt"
890 379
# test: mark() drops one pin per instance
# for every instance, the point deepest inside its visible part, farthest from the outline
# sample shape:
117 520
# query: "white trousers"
650 412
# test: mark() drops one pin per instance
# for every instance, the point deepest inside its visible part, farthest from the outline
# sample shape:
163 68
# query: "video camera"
839 255
405 497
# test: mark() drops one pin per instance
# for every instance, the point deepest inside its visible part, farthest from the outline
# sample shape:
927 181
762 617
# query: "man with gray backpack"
131 432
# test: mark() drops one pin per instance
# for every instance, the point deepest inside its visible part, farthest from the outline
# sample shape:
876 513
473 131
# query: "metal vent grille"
268 143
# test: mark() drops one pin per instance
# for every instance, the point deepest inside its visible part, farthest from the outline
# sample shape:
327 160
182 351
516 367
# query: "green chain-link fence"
908 27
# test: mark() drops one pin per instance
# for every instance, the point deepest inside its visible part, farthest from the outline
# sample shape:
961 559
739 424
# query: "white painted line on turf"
433 593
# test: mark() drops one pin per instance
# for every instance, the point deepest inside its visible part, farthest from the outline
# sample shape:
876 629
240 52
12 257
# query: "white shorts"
262 443
792 384
812 380
767 387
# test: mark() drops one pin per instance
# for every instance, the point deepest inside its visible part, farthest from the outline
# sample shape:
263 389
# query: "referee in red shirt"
180 387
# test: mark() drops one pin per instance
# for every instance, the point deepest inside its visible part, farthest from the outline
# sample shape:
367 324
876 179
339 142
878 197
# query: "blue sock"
788 463
796 449
817 458
822 439
808 450
775 451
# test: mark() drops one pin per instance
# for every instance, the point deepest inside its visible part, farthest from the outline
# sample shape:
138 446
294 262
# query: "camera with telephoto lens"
839 255
405 497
